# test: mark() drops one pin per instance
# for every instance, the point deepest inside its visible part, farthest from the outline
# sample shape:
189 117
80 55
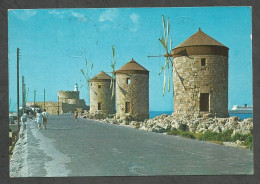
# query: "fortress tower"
132 91
70 97
101 99
69 101
200 76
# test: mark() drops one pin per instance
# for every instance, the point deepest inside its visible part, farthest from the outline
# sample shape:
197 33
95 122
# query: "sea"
153 114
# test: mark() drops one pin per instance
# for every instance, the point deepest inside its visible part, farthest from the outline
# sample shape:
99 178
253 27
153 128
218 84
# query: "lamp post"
18 52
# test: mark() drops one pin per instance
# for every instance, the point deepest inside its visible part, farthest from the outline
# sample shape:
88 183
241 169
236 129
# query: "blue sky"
54 44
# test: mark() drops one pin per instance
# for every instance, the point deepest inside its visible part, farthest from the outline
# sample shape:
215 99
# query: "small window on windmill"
99 86
99 106
128 80
127 107
203 61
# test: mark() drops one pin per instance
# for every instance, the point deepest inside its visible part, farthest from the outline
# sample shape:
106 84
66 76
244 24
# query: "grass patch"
248 142
189 135
218 138
217 142
214 136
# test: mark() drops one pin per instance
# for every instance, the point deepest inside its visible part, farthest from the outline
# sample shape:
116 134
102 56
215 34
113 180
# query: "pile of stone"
165 123
97 116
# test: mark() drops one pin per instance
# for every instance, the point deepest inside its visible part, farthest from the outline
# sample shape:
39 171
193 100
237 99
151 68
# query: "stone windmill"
132 91
202 63
100 95
200 74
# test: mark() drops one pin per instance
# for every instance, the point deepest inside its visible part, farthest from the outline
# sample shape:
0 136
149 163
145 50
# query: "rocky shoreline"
197 125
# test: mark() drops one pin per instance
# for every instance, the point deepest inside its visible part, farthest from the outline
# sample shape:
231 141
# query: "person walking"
39 118
24 120
76 115
45 118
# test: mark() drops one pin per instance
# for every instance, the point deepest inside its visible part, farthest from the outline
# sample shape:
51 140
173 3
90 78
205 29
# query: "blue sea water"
153 114
242 116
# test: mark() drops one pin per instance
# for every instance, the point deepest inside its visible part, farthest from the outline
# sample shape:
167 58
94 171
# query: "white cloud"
108 15
61 13
79 16
251 36
24 14
135 18
57 13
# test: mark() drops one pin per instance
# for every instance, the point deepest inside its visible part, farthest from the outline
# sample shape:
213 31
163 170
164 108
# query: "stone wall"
101 95
51 107
137 93
67 108
190 79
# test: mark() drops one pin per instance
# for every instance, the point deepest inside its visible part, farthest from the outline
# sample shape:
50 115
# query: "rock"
239 143
197 116
222 121
246 131
125 122
163 116
137 125
217 129
132 122
234 118
211 127
183 127
143 128
208 115
158 130
201 130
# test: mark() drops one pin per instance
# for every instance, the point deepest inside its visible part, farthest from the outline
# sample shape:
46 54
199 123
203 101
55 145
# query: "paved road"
91 148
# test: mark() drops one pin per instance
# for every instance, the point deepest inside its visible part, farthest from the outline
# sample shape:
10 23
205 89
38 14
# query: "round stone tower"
101 99
132 91
65 96
200 76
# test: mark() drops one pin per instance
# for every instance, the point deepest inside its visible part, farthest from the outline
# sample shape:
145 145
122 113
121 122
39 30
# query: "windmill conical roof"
200 38
132 65
101 76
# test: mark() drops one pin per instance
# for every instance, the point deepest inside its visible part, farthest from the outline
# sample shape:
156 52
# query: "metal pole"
44 99
23 94
18 52
58 106
34 97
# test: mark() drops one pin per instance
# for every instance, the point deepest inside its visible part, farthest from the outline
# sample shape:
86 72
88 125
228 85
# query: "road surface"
91 148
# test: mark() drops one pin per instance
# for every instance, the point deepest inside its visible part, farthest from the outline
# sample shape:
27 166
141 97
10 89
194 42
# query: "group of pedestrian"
41 118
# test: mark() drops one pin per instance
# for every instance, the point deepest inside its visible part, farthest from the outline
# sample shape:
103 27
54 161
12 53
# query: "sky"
54 44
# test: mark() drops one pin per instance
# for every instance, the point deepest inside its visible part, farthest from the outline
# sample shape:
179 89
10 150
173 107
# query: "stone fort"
68 101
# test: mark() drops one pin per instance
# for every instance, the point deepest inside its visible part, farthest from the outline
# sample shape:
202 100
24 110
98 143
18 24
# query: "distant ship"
241 109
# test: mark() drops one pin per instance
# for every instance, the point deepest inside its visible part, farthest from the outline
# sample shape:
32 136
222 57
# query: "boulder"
208 115
239 143
234 118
